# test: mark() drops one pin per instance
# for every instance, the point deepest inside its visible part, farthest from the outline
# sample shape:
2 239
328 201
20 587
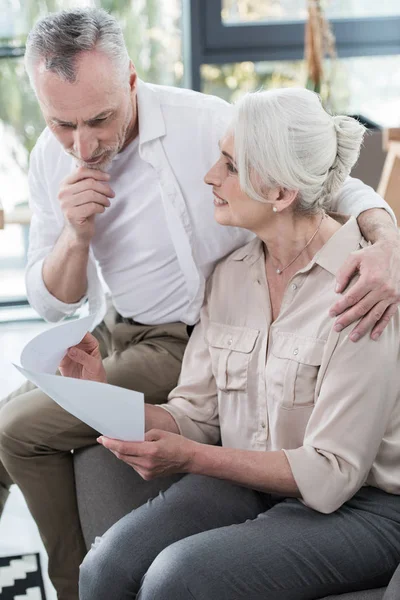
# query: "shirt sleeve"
355 197
357 396
45 229
194 402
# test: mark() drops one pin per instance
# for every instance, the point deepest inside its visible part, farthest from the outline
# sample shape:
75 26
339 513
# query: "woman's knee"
103 574
171 573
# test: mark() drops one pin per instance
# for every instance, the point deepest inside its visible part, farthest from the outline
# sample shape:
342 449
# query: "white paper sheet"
113 411
44 353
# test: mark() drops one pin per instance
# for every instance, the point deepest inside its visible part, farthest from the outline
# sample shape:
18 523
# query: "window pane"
351 90
253 11
20 124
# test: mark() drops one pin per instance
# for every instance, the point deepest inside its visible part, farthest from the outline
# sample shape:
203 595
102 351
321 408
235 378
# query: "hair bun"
349 136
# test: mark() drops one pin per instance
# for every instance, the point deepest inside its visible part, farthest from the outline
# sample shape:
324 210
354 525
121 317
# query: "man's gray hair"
59 38
285 138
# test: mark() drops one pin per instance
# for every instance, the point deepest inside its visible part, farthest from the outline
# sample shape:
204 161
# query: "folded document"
112 411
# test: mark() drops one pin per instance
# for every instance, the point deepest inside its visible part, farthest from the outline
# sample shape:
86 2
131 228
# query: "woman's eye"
231 168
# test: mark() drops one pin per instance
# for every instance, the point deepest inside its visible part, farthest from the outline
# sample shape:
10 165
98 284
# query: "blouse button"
263 424
294 286
295 351
230 342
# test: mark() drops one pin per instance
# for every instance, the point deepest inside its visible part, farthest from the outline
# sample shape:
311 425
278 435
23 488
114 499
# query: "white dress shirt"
133 247
179 134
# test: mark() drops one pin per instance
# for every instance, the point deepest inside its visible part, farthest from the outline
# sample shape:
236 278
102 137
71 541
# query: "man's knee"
10 427
103 575
23 422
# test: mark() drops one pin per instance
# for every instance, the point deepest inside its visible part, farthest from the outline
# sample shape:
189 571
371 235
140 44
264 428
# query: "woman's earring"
275 209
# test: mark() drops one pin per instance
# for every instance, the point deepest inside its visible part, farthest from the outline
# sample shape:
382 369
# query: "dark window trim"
208 40
12 302
11 51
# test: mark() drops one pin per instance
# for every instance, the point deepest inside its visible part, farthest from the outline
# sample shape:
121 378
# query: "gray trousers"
208 539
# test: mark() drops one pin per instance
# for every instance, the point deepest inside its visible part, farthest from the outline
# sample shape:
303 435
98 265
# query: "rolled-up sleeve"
44 231
355 197
356 399
194 402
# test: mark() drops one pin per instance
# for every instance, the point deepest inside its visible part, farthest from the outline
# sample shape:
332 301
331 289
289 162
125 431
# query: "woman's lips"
218 201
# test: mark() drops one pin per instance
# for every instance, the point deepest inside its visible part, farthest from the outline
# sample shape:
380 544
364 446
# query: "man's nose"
85 144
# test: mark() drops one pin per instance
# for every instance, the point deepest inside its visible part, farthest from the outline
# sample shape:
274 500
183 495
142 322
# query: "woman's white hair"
285 138
59 38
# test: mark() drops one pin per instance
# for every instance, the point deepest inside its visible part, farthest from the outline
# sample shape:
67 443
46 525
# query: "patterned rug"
21 578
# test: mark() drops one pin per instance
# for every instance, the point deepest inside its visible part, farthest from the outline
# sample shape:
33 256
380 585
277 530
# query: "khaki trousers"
37 436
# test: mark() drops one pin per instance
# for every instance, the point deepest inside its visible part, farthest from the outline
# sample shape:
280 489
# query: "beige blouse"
295 384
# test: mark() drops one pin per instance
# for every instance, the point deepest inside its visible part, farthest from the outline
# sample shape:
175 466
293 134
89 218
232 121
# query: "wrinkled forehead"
96 88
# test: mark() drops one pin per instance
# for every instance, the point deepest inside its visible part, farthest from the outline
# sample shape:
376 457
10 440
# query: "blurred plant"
319 44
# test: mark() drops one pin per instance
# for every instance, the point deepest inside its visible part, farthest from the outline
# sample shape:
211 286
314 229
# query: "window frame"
209 41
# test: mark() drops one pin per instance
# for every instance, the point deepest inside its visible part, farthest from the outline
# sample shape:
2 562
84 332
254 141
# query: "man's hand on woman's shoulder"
375 297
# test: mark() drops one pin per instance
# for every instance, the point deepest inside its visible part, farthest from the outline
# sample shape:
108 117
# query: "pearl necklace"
280 271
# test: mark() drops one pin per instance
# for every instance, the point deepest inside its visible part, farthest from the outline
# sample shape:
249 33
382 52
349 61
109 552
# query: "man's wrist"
377 226
74 241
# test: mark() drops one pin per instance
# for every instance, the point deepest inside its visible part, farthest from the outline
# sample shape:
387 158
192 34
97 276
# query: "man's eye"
98 121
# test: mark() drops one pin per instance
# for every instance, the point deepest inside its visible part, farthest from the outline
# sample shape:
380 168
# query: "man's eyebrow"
101 115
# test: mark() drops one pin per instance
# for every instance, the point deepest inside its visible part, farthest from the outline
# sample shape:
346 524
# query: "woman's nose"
212 177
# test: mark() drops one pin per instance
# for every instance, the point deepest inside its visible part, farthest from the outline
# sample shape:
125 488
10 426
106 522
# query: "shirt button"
294 286
230 342
295 351
263 424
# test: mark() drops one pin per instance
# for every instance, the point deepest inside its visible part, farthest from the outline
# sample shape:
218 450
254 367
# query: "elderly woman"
302 499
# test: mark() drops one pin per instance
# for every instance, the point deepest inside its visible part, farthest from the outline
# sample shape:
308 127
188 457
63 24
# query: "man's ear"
132 76
285 198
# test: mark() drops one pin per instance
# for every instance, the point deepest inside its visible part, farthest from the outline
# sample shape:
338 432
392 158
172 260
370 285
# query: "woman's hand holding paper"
162 453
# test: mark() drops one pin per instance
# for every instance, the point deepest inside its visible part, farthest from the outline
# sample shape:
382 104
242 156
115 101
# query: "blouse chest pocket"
292 369
231 349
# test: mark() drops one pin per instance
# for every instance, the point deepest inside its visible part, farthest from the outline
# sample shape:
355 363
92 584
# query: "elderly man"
116 189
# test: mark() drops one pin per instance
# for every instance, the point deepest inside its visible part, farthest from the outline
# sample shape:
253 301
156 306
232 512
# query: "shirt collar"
331 256
151 120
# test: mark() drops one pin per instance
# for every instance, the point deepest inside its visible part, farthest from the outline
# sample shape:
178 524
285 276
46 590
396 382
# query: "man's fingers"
73 202
82 358
368 322
85 173
88 343
90 184
65 362
346 273
357 311
384 320
354 295
80 213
